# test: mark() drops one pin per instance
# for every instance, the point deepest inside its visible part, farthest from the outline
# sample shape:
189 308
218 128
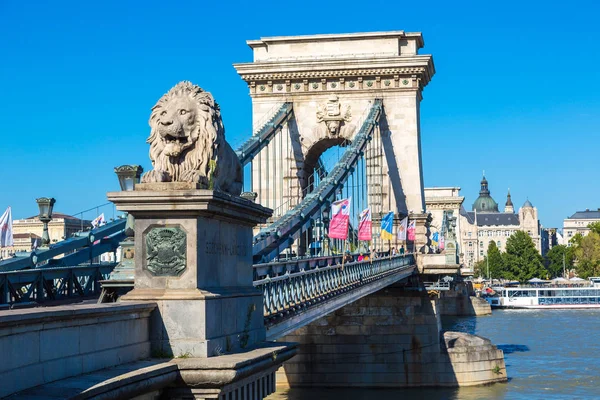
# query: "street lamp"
45 204
121 279
325 216
129 176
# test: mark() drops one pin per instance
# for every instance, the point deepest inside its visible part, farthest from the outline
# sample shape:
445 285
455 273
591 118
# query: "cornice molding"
420 66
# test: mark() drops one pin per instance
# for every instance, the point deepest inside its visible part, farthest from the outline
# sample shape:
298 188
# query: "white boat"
555 296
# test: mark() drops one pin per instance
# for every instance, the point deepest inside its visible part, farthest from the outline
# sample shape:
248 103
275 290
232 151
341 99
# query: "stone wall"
459 302
43 345
389 339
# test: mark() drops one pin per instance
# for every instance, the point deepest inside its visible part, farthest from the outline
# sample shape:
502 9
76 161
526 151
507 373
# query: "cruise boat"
548 296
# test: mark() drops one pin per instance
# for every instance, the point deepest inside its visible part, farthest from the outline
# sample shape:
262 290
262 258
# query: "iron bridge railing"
291 292
42 284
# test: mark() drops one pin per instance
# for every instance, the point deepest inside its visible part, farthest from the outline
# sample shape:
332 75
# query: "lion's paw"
156 176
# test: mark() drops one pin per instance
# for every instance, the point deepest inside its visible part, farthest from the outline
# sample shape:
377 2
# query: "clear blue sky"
516 90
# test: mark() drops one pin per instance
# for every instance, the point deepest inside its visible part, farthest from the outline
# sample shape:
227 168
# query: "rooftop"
587 214
491 218
55 215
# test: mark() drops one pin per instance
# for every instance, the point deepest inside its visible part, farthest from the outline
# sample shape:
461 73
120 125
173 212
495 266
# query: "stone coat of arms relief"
166 251
333 120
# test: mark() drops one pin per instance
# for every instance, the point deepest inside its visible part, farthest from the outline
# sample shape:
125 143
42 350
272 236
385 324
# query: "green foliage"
587 253
522 259
496 262
554 260
595 227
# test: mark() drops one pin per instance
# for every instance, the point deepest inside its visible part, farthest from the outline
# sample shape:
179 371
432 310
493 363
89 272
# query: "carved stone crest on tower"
166 251
331 114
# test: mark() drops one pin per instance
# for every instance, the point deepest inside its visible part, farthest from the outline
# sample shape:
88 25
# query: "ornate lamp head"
129 176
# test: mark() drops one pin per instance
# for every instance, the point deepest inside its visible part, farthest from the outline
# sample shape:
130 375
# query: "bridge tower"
332 80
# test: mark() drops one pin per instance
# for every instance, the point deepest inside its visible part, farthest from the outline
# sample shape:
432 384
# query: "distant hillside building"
485 223
578 224
29 230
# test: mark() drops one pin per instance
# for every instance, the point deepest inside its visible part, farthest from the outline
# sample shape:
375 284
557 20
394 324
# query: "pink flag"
364 226
411 230
340 217
442 243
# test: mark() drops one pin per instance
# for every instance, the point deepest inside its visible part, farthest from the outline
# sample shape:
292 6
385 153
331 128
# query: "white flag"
402 229
99 221
6 232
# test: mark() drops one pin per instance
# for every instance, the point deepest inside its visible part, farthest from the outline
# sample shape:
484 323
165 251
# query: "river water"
549 354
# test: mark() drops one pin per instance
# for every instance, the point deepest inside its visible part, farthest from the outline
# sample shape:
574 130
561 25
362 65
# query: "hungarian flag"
411 230
402 229
387 225
6 229
340 217
364 226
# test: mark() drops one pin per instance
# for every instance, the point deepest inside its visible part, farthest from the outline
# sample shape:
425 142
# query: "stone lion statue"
187 142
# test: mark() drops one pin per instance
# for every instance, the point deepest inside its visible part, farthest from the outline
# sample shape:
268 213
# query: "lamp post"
121 279
325 216
129 176
46 205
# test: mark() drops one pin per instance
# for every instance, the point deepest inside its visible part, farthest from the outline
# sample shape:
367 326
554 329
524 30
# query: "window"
489 233
469 234
499 244
481 244
480 233
481 253
470 244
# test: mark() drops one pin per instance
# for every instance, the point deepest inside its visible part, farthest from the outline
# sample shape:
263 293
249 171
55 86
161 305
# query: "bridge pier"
391 338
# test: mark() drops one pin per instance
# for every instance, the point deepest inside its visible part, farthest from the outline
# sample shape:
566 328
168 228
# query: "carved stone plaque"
166 251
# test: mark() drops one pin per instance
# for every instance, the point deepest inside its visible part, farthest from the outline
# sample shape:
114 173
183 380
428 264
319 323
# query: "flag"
340 217
411 230
6 231
434 239
35 244
402 229
387 224
364 226
442 242
98 221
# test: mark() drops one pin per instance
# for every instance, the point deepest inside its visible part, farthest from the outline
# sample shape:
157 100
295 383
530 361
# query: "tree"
554 259
587 253
496 262
522 259
595 227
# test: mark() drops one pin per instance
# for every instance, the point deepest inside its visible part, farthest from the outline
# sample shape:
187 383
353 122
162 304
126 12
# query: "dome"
527 204
485 202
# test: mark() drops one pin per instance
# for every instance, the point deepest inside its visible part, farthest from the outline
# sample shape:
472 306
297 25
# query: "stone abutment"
391 338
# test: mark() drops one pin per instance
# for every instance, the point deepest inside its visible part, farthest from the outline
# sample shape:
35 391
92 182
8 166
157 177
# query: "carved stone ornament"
331 114
166 251
187 142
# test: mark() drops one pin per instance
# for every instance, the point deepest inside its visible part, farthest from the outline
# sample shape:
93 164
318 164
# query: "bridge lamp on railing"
46 205
325 217
129 176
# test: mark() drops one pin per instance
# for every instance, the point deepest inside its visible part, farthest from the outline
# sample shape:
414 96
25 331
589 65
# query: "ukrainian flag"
387 224
435 239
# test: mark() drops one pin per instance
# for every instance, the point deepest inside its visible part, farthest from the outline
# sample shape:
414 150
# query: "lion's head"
186 130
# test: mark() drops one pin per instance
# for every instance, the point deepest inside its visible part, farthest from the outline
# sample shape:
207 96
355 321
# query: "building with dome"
486 223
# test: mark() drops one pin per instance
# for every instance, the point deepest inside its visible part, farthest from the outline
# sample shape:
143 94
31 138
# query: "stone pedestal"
193 257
